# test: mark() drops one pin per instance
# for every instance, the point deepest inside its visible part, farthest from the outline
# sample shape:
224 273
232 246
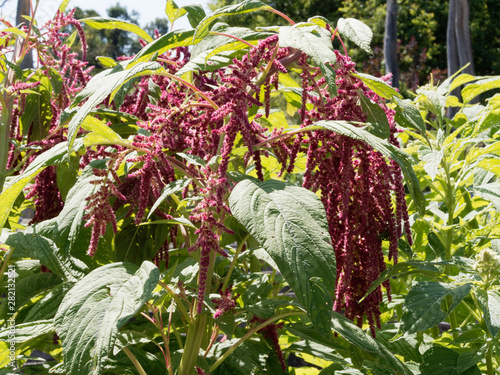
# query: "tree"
23 9
391 41
458 41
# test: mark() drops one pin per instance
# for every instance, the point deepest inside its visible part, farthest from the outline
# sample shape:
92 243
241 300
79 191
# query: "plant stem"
249 334
134 360
489 361
194 337
233 263
177 300
448 240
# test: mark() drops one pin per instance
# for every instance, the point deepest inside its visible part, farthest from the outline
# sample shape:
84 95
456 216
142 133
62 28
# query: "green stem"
177 300
194 338
450 204
134 360
177 336
7 105
249 334
233 263
490 370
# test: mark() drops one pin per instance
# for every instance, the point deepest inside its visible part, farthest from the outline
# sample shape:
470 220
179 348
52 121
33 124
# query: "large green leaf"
173 11
100 23
103 86
408 116
423 304
385 148
39 247
377 119
46 307
246 6
490 192
445 361
290 224
195 14
357 32
490 304
378 86
474 89
28 331
173 39
312 40
94 310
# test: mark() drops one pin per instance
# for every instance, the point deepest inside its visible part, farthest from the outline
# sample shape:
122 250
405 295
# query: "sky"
148 9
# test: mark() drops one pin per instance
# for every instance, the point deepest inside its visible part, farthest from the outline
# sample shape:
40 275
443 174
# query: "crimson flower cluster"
356 184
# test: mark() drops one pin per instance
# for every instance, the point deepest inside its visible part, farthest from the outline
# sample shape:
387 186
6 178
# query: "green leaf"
46 308
462 79
177 220
192 159
312 40
423 304
490 192
408 116
200 59
378 123
173 12
100 23
63 5
378 86
170 40
102 87
94 310
107 62
329 74
28 331
386 149
56 80
53 156
37 114
33 285
400 269
229 47
357 32
44 249
100 133
471 91
321 22
490 304
168 190
432 161
290 224
66 175
195 14
246 6
364 341
439 360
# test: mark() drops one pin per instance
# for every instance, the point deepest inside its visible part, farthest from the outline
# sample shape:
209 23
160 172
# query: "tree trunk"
458 38
391 41
23 9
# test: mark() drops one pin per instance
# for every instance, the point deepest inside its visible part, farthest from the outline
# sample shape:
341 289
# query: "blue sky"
148 9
